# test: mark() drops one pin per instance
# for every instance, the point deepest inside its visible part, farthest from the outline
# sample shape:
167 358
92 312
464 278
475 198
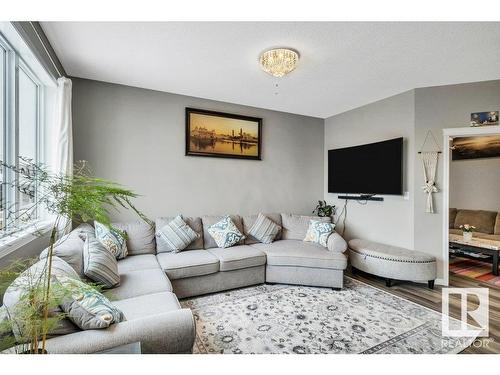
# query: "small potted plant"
467 231
324 210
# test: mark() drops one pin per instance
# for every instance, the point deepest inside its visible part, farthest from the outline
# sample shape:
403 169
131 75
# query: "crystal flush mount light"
279 61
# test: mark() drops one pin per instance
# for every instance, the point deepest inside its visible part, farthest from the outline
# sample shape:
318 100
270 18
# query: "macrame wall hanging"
429 166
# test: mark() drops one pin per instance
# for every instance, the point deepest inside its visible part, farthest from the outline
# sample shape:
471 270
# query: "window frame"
13 62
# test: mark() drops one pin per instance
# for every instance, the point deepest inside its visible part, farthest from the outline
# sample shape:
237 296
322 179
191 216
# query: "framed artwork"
484 118
487 146
222 135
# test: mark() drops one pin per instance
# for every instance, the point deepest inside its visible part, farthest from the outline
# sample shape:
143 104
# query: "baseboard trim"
441 282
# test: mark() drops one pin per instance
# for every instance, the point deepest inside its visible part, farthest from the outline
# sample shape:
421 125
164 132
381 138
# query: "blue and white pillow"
177 235
112 240
225 233
87 307
318 232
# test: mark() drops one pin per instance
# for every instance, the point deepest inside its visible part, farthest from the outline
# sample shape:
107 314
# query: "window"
20 115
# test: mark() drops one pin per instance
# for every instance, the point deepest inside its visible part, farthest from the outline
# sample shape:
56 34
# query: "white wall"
137 138
390 221
475 183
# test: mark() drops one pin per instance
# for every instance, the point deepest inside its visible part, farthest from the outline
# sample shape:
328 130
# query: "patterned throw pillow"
264 229
85 306
318 232
225 233
112 240
177 235
99 264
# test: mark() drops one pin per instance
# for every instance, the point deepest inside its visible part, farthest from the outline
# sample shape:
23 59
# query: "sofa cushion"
208 221
452 217
497 224
112 239
139 283
301 254
177 235
85 229
70 249
140 237
85 306
193 222
188 263
294 227
137 263
99 264
484 221
225 233
248 222
238 257
148 305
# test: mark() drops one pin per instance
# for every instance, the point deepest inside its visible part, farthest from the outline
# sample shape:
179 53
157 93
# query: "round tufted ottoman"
392 262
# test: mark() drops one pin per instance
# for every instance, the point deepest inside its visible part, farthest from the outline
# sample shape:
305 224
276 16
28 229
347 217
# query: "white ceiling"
343 65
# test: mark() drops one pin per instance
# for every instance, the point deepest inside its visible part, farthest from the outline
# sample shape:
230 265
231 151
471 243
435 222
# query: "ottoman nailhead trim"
392 260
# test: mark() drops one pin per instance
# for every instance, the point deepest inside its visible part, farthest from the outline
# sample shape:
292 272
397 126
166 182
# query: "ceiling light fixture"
279 61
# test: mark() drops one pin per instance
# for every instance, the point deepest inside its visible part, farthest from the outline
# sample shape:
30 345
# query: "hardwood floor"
431 298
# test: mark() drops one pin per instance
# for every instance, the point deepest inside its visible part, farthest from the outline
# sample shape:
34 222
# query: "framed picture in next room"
487 146
222 135
484 118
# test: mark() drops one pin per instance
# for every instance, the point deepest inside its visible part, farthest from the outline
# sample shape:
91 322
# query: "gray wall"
390 221
438 108
137 138
475 184
411 115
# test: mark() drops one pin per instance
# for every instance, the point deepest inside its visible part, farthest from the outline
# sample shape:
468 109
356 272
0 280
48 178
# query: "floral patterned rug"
302 320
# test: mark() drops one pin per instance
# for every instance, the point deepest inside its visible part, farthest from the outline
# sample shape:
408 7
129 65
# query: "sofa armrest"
169 332
336 243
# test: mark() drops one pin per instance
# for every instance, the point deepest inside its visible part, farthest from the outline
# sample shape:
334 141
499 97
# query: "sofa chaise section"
297 262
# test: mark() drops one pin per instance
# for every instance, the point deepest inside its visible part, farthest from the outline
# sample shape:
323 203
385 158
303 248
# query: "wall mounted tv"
375 168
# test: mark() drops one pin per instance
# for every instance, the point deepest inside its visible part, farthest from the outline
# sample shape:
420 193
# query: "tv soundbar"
361 197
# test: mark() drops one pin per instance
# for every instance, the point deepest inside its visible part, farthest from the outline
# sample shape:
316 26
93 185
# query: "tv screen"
375 168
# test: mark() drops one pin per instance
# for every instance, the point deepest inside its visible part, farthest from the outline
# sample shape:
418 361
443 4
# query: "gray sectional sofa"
152 279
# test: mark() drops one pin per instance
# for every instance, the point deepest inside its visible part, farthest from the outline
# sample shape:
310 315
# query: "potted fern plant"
67 199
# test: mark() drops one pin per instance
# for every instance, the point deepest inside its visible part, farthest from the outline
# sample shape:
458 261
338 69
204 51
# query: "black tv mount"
362 197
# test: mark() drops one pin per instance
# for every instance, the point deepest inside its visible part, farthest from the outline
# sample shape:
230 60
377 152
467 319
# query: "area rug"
474 269
302 320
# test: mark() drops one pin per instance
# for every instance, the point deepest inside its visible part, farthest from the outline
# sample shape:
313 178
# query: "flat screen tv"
375 168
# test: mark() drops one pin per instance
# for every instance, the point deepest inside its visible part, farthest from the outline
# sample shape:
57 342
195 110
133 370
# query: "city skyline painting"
218 134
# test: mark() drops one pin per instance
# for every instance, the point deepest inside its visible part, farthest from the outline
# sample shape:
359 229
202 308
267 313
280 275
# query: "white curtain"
62 155
63 130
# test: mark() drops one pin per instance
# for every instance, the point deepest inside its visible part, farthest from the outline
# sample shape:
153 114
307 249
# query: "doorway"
464 150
